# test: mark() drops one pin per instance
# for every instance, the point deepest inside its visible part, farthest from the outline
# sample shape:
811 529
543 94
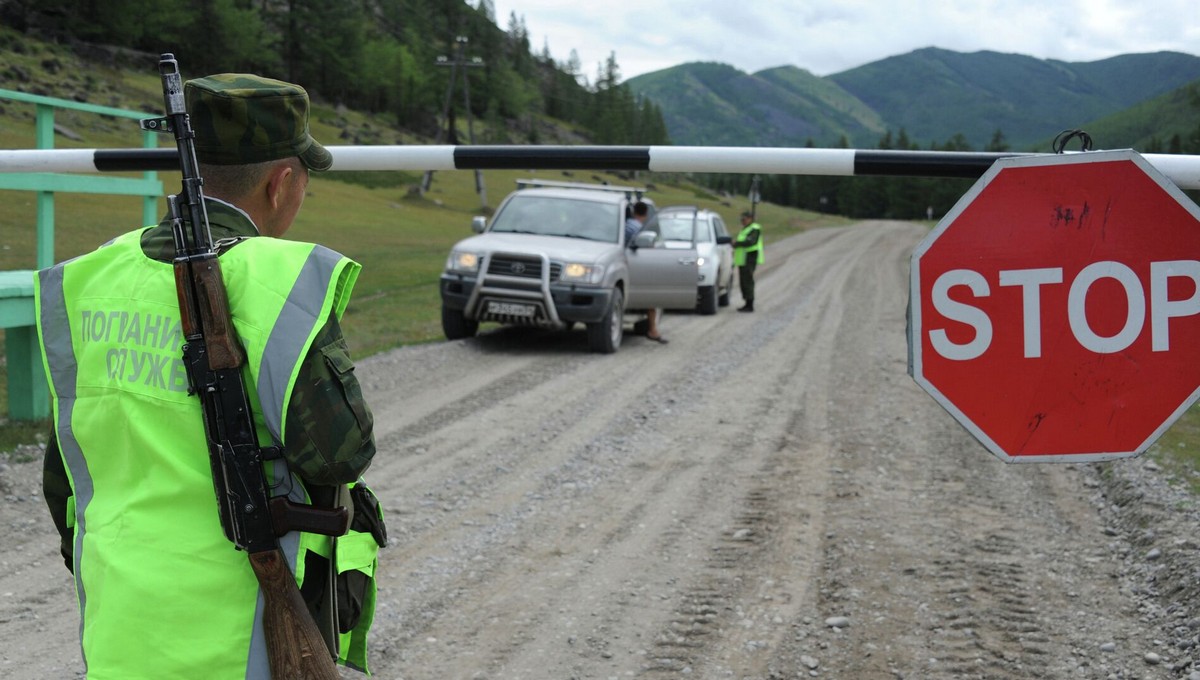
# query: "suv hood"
557 248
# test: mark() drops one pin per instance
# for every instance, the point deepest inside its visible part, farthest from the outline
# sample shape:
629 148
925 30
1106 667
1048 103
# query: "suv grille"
528 268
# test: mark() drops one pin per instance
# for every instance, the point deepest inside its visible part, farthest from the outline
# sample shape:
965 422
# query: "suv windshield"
552 216
678 227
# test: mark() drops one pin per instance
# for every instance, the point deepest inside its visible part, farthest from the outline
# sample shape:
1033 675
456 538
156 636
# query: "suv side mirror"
722 240
478 224
645 239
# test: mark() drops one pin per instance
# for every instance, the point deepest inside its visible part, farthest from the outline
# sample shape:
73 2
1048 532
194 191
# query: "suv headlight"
463 261
582 273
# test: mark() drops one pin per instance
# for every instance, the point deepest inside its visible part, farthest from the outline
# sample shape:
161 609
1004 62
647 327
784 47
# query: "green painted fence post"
45 199
28 393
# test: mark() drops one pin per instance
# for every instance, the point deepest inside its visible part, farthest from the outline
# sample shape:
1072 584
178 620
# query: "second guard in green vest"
162 593
747 255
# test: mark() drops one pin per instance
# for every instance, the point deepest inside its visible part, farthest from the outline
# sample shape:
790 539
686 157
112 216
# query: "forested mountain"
932 95
371 55
933 92
1168 123
716 104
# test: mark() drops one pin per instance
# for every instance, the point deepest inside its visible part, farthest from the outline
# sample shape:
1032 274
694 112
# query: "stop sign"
1055 311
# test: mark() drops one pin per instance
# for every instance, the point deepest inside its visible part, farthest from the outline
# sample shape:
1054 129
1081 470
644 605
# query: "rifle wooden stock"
295 648
219 338
187 313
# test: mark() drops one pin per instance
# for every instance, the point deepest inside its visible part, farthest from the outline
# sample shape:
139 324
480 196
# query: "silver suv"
555 255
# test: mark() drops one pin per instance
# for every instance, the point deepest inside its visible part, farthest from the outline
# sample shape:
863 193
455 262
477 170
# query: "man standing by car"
634 224
747 255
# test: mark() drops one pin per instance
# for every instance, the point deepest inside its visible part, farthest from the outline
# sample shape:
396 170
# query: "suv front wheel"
604 336
456 325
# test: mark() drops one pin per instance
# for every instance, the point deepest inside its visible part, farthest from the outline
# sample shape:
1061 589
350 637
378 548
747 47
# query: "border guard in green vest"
747 255
162 593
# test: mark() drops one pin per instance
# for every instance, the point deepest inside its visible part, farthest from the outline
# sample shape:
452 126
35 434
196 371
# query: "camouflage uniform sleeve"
56 489
329 437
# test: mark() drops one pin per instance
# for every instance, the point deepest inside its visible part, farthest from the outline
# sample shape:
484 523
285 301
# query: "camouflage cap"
239 118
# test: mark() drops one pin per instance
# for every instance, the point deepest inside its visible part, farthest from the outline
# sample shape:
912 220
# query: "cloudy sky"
830 36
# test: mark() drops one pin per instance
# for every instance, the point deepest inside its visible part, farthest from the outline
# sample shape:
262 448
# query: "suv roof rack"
628 191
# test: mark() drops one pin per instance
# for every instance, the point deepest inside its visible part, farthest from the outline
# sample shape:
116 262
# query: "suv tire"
604 336
456 326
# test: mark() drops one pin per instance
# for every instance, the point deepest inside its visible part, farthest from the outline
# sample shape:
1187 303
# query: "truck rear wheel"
604 336
456 325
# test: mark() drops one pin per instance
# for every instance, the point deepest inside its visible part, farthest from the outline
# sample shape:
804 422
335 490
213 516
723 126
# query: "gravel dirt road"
768 496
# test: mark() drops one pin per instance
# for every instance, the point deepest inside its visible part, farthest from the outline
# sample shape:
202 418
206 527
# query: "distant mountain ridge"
786 106
932 94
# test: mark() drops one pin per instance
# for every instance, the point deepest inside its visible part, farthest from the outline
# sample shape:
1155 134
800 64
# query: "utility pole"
459 61
755 197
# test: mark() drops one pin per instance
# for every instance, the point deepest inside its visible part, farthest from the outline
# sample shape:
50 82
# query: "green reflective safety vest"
162 593
739 253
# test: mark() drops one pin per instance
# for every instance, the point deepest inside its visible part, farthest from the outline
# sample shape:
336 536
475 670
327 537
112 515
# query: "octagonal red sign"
1055 311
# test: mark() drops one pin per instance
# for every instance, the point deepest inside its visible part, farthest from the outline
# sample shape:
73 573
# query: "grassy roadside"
1178 450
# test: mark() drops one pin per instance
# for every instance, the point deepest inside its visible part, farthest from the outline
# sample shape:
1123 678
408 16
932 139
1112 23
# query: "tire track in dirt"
622 537
755 578
969 599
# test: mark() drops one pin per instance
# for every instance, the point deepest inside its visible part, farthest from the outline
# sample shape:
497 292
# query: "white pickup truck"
555 255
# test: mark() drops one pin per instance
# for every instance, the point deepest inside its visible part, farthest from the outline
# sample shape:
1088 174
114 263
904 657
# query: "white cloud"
829 36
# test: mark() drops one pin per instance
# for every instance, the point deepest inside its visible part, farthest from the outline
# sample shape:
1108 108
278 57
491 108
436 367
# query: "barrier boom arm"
1183 170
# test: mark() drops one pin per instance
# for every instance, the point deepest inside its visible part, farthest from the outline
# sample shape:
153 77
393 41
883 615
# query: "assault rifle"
214 360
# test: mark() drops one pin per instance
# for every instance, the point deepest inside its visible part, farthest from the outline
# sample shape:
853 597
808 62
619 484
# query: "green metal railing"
28 394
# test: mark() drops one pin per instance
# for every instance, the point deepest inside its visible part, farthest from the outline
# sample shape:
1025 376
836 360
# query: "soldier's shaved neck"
234 183
270 193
